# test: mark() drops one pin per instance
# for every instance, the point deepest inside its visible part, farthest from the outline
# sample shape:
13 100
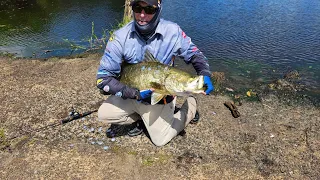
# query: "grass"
2 134
3 140
95 42
6 54
116 149
135 153
157 158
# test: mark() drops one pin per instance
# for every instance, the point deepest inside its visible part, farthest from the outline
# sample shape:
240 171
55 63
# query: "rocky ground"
274 138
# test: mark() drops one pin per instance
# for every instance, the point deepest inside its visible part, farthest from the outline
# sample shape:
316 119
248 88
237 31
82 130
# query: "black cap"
150 2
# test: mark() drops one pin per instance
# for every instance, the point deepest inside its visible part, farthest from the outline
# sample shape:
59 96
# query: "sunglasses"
147 9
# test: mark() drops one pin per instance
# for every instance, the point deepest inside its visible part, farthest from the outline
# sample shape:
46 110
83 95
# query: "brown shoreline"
270 139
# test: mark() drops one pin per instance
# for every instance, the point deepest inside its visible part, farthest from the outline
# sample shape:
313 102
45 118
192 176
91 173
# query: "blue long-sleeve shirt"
126 44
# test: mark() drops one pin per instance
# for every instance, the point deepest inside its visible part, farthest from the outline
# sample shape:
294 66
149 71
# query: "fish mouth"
198 83
195 86
201 82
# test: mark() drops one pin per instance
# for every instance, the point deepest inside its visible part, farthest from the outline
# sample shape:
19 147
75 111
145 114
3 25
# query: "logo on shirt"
111 37
184 35
99 81
194 49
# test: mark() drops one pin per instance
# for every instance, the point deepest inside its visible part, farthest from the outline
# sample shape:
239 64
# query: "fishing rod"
73 115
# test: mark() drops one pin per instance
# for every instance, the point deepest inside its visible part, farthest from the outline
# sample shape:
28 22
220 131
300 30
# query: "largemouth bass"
162 78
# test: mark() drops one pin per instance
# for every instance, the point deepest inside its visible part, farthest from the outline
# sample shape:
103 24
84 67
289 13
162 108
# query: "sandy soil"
272 139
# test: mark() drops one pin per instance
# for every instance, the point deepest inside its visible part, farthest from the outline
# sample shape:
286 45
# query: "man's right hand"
208 83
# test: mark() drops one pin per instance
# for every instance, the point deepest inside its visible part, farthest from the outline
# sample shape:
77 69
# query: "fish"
161 78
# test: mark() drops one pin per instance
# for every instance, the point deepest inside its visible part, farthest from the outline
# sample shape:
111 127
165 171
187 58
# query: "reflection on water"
248 39
31 26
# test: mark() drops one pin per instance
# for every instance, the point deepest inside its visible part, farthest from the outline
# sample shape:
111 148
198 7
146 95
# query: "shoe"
137 129
196 118
176 109
110 132
182 133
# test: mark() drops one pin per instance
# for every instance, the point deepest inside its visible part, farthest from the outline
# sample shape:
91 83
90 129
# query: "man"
165 40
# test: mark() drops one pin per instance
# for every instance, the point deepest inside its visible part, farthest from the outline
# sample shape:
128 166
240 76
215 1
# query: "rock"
218 78
99 142
292 75
229 89
282 84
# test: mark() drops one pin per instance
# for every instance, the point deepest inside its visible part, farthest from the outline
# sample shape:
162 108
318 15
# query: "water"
254 40
249 40
29 28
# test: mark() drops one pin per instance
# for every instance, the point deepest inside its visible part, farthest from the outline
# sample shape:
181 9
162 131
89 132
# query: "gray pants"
161 122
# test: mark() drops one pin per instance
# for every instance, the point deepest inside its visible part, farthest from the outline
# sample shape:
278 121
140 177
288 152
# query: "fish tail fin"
156 97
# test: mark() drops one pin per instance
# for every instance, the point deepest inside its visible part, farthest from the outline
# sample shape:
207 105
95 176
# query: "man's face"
142 18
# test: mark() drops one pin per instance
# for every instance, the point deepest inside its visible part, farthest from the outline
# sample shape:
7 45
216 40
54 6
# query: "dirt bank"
271 139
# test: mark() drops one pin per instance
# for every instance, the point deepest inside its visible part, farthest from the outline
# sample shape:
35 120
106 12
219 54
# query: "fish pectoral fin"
148 57
156 85
156 97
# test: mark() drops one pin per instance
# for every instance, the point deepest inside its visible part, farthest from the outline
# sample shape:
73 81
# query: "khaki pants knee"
116 110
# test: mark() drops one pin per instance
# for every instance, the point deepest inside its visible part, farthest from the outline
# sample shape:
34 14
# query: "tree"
127 12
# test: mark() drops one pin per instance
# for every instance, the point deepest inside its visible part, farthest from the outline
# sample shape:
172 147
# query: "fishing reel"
73 112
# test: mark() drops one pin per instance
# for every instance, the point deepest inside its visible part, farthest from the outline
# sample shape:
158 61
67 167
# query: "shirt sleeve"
110 64
191 54
110 67
109 71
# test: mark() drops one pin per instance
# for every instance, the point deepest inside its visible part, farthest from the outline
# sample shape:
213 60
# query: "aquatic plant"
96 43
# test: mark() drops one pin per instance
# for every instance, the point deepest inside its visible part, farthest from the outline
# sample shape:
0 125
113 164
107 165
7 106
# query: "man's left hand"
208 83
145 94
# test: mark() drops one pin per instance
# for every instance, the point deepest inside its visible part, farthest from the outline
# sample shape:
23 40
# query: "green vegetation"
157 158
73 45
6 54
96 43
135 153
116 149
2 134
4 143
94 37
148 161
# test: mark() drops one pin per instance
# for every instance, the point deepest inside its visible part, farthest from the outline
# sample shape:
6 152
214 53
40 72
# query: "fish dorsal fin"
156 97
148 57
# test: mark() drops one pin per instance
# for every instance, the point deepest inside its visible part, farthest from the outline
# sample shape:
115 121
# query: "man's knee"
103 115
108 117
107 114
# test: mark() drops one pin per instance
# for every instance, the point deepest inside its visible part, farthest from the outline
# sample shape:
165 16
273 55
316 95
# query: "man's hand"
145 94
208 83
